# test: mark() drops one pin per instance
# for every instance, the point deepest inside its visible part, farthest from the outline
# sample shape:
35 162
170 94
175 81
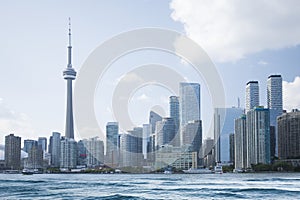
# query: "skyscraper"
240 143
153 118
146 139
43 142
274 97
231 148
289 135
174 113
35 157
258 136
165 132
189 104
223 126
12 153
69 74
95 151
68 153
112 137
252 95
55 149
28 144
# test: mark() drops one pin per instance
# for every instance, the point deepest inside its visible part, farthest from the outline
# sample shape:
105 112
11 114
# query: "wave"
115 197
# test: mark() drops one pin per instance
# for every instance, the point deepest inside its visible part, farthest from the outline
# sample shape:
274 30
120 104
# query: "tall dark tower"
69 74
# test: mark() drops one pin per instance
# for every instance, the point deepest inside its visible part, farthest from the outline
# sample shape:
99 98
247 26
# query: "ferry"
27 171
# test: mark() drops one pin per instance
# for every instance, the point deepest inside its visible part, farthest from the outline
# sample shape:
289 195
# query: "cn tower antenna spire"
70 32
70 46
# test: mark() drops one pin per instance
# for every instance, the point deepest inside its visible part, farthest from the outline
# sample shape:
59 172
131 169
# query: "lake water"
150 186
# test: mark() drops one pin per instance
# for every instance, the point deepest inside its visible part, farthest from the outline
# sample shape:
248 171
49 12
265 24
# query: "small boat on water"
218 169
27 171
198 171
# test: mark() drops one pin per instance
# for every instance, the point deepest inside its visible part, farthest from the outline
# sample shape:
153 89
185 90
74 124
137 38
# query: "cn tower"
69 74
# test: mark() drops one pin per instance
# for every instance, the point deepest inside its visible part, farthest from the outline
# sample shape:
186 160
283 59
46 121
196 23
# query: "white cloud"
291 94
14 122
229 30
262 62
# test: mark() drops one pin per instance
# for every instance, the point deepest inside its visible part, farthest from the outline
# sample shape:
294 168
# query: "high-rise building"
131 150
231 148
12 154
258 136
190 108
112 137
289 135
165 132
28 144
68 153
146 139
35 157
208 157
240 143
82 154
252 95
223 126
274 97
95 151
69 74
174 113
192 133
153 118
55 149
43 142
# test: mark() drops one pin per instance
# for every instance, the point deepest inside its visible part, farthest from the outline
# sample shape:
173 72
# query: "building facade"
252 95
240 143
68 153
55 149
289 135
94 152
174 113
190 104
258 136
112 140
12 155
165 132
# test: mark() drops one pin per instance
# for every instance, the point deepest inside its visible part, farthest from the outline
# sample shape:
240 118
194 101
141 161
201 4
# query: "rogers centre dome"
2 150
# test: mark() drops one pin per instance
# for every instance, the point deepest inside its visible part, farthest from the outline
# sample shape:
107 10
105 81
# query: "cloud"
262 62
291 94
229 30
14 122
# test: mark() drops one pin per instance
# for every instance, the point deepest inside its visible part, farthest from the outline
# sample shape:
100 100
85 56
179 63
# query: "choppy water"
150 186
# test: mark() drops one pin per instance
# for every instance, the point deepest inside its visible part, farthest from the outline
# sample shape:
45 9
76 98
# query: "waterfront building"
174 113
82 154
94 151
28 144
42 141
240 143
274 100
252 95
146 140
68 153
55 149
12 154
289 135
35 158
223 126
165 132
258 136
208 157
153 118
190 107
231 148
112 137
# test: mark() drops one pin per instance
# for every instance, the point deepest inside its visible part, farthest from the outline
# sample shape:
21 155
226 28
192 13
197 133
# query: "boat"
197 171
168 172
218 169
27 172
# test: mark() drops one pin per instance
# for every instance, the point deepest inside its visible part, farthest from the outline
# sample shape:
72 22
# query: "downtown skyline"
23 97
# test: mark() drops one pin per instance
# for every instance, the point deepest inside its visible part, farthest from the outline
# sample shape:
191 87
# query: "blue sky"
33 52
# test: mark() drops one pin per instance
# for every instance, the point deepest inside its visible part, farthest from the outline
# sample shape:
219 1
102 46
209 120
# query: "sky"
246 40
